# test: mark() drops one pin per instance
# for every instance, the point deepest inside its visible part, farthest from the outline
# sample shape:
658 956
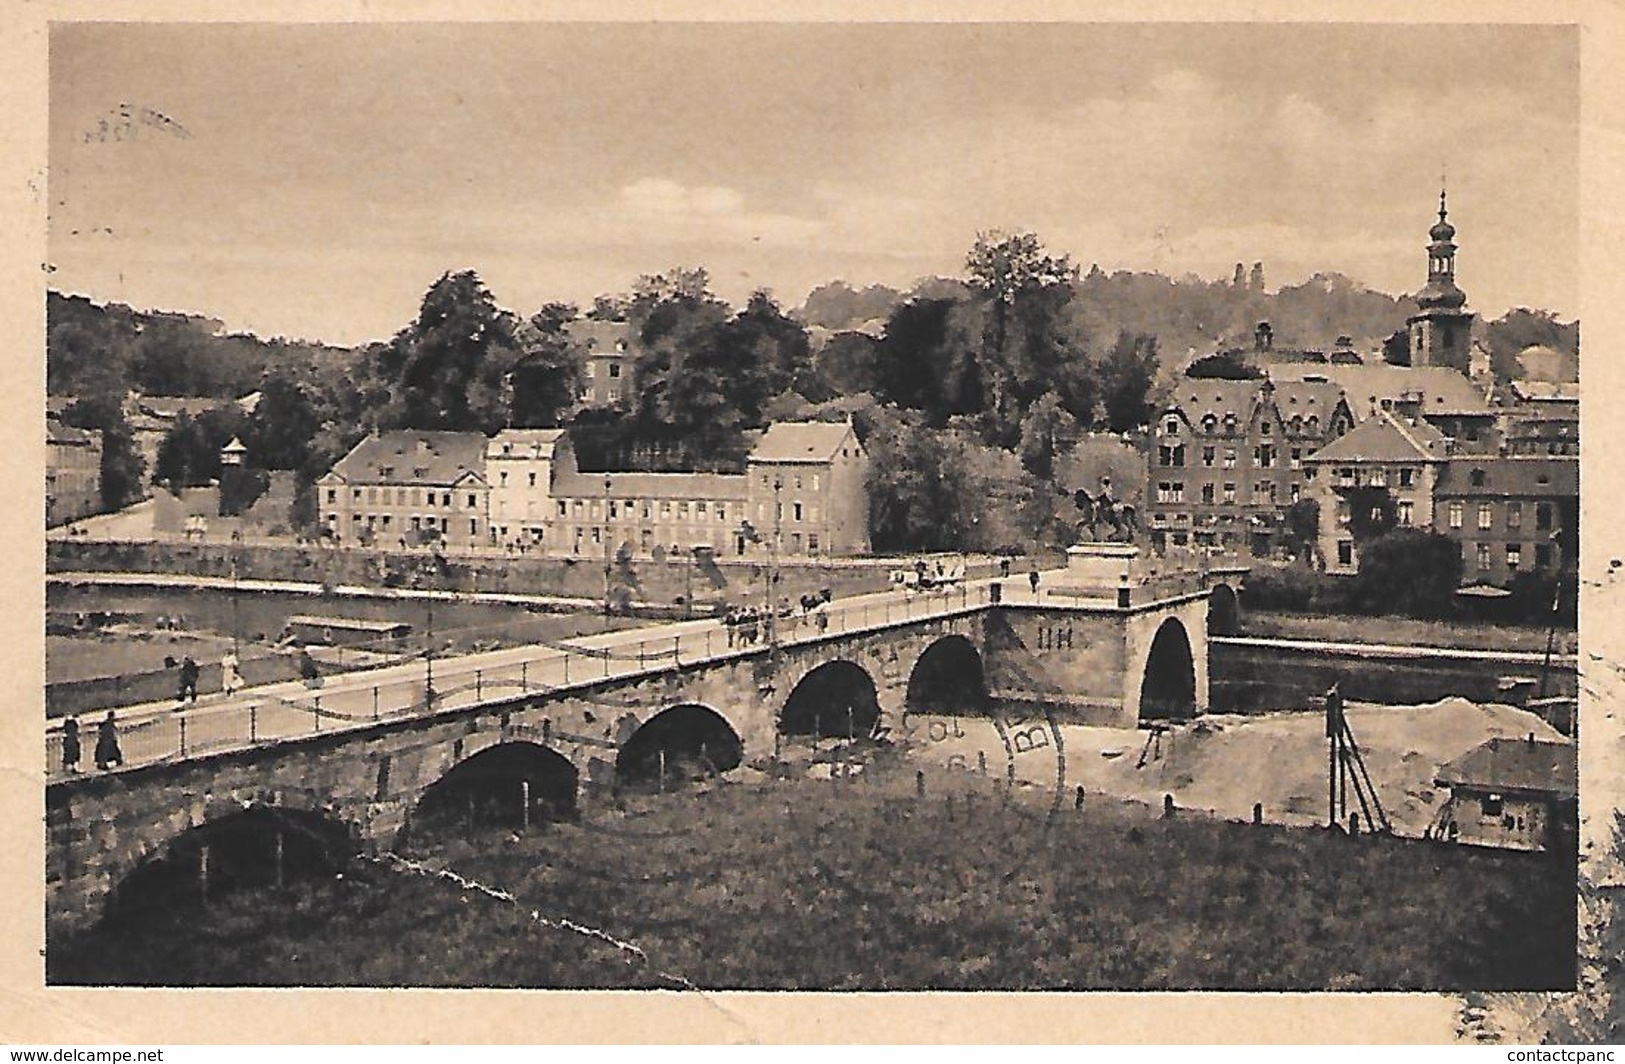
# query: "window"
1295 491
385 472
1486 515
1295 458
722 511
614 370
1230 458
1230 493
591 371
614 392
682 510
614 509
445 500
1171 456
815 481
1208 456
1296 425
798 483
1543 516
1171 427
1407 476
1264 456
564 508
1265 427
1407 512
385 521
1490 805
699 507
428 522
1514 555
1483 557
1477 478
1345 552
533 480
1229 424
812 542
795 542
1207 493
1514 515
1170 491
1543 556
502 482
332 495
1455 513
473 526
1209 423
1313 424
796 508
596 536
1263 493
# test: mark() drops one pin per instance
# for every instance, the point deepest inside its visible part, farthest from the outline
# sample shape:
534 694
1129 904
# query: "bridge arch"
947 678
255 845
1168 689
492 785
686 741
1223 611
834 699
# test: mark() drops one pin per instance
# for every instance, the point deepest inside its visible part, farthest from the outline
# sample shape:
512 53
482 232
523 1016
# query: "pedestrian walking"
70 745
189 671
107 751
308 670
1004 567
1032 580
231 673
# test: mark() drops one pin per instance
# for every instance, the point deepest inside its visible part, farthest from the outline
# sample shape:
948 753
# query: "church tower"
1440 334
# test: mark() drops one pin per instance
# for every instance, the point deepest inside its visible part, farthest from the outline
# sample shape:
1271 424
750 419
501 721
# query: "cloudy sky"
312 181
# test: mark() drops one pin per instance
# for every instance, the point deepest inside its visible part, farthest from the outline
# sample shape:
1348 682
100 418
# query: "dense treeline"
966 390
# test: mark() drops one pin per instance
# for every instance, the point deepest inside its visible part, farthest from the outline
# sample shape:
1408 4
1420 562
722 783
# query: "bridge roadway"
160 732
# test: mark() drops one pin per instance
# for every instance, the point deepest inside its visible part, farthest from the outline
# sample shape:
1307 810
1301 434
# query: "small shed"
1514 794
347 631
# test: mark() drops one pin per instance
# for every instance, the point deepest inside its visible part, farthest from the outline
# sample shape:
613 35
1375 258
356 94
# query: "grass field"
848 885
1404 631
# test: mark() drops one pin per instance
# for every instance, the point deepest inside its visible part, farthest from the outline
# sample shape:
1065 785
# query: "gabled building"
73 472
519 466
1384 453
807 483
409 487
1226 459
1515 794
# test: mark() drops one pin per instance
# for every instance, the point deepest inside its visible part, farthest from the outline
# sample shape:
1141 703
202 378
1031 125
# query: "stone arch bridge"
1094 651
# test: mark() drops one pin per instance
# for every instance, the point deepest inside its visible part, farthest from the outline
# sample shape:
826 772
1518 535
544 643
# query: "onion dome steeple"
1441 291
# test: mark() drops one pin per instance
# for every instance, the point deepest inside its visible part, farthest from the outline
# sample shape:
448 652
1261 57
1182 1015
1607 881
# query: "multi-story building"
808 487
1510 515
1401 456
73 472
1226 459
606 379
411 486
803 493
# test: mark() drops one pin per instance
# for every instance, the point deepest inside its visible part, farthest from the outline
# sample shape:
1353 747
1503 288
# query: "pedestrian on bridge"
1032 580
231 674
70 745
189 673
107 751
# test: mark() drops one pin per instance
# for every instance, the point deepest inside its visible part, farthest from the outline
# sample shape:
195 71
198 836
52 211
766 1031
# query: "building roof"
524 443
1385 438
1198 397
58 434
1515 765
1436 389
1530 476
801 441
1545 391
600 337
414 457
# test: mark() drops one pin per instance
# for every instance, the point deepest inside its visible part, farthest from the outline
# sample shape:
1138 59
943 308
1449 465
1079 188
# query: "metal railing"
297 710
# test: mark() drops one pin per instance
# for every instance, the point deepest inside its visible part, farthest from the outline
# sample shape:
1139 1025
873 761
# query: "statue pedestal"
1098 570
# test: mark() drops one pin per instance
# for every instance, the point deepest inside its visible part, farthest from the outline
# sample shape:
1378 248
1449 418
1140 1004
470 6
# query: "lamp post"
236 537
608 484
773 561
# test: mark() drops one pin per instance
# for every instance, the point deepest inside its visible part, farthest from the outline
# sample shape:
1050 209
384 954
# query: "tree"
1372 512
189 454
1047 428
1225 366
123 469
1302 527
280 432
543 384
1126 380
1408 571
446 369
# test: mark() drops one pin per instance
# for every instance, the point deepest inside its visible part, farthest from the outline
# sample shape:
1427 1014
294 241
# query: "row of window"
1264 494
1371 476
402 497
413 522
680 510
1455 511
614 370
1297 425
1265 456
594 535
1484 555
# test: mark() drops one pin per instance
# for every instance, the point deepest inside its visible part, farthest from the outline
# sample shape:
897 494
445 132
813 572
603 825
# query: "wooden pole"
203 874
662 754
524 805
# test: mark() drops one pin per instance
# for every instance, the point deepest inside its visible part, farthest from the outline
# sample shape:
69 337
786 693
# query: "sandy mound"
1226 763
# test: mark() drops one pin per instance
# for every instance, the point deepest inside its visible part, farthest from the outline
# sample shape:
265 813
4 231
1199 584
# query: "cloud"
657 195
